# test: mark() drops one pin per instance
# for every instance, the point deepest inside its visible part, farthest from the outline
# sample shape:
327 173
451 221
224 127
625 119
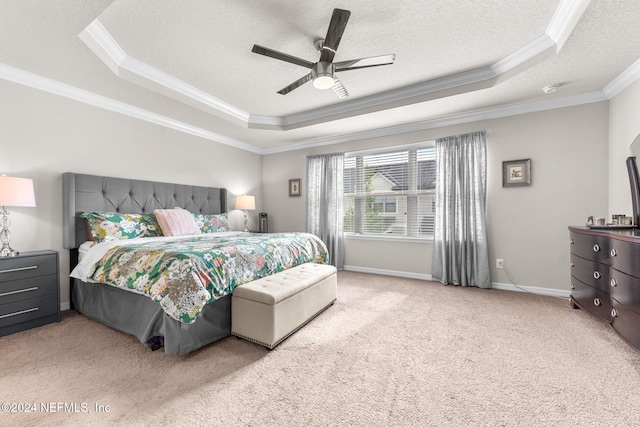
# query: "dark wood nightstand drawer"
592 273
19 290
29 309
590 247
591 299
23 267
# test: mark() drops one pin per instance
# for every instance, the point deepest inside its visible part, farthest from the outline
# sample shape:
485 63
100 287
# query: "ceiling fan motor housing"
322 74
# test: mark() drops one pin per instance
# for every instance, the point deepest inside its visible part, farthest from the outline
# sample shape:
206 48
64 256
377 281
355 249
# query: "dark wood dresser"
29 291
605 277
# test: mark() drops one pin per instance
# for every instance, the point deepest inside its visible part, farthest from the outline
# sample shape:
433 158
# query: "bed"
138 314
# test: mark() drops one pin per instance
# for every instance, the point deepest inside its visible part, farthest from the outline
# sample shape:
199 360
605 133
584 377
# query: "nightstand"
29 291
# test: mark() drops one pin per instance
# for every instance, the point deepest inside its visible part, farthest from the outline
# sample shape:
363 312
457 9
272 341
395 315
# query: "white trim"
537 47
474 116
538 290
64 306
566 16
627 77
565 19
47 85
393 273
388 238
100 41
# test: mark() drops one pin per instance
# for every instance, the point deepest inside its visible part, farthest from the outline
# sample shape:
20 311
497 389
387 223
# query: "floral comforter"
183 273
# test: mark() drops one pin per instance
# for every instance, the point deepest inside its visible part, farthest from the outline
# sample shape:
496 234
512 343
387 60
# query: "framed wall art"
516 173
294 187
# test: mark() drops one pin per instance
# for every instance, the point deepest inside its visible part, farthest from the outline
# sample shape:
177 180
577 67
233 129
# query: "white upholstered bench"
268 310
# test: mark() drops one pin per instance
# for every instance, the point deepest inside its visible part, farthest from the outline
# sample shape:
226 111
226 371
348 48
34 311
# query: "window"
385 204
390 193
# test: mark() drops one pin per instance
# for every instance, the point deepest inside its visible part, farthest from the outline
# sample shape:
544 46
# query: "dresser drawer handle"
572 264
571 242
614 252
596 275
596 302
596 248
614 283
614 312
19 291
11 270
19 312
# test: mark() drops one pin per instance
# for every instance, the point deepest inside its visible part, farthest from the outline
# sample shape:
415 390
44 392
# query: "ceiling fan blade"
295 84
339 89
334 34
372 61
281 56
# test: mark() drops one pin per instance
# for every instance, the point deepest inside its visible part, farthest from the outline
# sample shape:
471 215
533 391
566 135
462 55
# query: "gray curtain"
325 215
460 252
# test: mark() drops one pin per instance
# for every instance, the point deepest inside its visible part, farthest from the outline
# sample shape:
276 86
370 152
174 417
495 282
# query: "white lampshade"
16 191
245 203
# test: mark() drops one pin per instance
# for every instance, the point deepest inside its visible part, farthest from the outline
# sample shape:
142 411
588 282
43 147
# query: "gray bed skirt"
116 307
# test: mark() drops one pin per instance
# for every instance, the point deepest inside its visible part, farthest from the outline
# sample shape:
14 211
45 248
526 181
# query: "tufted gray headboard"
83 193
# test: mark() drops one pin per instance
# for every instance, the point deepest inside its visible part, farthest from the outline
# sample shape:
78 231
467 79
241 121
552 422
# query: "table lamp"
16 192
245 203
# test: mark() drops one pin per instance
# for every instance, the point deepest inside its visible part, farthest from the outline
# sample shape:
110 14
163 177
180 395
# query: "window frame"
412 195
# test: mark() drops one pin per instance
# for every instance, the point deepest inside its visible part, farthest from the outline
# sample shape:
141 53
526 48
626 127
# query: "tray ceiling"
188 64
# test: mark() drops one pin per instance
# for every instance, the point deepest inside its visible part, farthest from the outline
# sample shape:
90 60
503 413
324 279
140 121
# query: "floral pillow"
108 226
212 223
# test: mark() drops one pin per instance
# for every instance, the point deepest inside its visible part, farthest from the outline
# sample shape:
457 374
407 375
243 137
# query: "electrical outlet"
499 263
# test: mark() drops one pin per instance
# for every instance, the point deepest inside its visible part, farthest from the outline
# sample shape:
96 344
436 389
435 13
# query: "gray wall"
43 135
527 226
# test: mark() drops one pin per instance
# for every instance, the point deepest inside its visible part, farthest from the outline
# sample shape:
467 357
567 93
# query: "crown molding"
564 20
103 45
35 81
126 67
117 60
475 116
627 77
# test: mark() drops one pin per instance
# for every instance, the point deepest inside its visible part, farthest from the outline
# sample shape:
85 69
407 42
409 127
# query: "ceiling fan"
323 72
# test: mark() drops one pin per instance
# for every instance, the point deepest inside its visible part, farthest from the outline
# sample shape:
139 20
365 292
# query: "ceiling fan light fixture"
323 82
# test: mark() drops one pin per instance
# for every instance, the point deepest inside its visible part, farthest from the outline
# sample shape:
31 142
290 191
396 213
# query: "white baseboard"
65 306
561 293
551 292
382 272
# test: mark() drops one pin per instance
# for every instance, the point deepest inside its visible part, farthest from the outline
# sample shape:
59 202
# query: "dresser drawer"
19 290
626 321
591 299
25 310
624 256
590 247
592 273
625 289
24 267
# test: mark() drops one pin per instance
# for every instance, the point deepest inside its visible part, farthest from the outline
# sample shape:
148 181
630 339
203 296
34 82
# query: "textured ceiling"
190 61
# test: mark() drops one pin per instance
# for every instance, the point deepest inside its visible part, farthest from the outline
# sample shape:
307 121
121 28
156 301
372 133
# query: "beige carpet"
391 351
